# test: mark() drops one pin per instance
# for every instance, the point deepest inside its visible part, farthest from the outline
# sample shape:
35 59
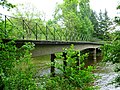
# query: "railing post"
36 32
54 33
53 65
64 61
46 33
74 35
94 54
62 35
78 60
71 35
5 26
66 35
23 28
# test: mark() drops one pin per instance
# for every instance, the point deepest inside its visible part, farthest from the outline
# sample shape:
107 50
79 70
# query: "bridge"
24 29
47 40
51 47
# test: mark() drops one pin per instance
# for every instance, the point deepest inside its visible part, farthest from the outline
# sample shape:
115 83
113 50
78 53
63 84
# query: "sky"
109 5
48 6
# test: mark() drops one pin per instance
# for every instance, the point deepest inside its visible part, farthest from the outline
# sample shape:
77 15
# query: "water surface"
104 70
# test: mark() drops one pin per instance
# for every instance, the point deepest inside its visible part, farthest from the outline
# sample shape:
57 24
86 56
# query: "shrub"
73 77
16 71
111 53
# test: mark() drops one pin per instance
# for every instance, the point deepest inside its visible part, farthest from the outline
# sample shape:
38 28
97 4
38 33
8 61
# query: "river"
104 70
106 73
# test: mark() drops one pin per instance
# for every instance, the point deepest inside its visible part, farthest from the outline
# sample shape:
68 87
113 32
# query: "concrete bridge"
52 47
42 37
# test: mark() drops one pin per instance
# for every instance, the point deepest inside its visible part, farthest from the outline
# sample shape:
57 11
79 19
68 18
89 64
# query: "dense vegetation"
73 20
17 72
111 51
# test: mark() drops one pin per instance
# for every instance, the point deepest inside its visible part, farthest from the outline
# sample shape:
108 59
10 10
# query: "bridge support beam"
53 65
94 54
64 61
78 60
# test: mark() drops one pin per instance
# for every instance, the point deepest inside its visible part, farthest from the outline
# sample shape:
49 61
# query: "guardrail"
22 28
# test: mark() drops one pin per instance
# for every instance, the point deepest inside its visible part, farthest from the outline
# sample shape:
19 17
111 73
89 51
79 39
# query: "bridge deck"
51 47
44 42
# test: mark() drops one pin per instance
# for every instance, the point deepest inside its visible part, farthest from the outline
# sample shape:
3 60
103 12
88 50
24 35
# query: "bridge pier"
53 65
64 61
94 54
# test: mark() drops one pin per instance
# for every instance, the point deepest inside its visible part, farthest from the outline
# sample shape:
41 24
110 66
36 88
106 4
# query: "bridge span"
51 47
47 40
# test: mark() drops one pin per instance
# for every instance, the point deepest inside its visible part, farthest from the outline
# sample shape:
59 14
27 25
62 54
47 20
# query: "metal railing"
21 28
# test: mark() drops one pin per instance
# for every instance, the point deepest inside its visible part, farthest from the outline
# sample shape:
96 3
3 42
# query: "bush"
111 53
16 71
72 78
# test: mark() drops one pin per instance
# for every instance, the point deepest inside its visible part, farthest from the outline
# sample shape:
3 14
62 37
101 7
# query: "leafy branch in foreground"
73 76
16 70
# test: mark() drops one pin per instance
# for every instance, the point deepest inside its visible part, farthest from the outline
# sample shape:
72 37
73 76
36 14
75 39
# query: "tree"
112 52
117 18
103 25
6 4
74 17
54 30
26 23
94 20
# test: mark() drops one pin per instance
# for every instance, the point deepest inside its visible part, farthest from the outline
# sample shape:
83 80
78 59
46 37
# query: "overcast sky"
48 6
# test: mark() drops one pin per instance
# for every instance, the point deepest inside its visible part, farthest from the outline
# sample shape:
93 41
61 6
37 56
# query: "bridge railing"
23 28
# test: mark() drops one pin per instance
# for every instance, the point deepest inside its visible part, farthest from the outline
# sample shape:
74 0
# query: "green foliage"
111 53
117 18
1 29
5 3
78 75
26 22
103 25
73 76
16 71
74 18
118 7
94 20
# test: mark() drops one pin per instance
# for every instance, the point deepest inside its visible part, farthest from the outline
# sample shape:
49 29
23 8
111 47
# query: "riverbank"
107 75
